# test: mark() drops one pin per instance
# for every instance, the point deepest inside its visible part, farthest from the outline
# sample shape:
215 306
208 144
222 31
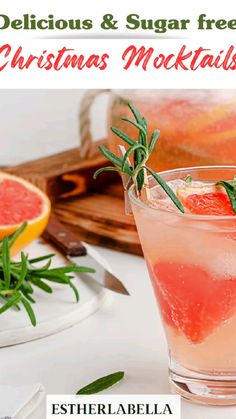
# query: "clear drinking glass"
192 265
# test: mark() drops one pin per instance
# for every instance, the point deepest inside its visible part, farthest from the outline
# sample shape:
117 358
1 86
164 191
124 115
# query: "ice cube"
159 198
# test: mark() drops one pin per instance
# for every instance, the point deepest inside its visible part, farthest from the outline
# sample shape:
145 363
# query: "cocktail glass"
192 265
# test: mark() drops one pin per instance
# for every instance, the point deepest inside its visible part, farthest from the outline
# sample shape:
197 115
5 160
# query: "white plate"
54 312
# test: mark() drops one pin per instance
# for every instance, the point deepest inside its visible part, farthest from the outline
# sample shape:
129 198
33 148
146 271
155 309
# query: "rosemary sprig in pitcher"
141 150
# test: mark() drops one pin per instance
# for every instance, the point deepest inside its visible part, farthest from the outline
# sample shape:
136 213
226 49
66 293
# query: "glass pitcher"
198 127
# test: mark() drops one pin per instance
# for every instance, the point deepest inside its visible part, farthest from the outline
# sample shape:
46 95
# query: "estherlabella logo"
68 406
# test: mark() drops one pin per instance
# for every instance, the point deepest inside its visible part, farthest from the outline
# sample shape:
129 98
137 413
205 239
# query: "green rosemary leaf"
112 169
6 262
14 307
166 188
40 284
188 179
135 124
136 113
10 303
137 146
123 136
141 124
144 137
51 276
73 287
28 296
17 233
23 270
72 268
33 268
41 258
29 310
17 307
102 383
145 123
137 158
140 180
110 156
231 192
26 286
154 137
138 161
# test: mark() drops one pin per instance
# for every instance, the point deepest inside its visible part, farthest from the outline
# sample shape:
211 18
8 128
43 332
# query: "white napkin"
21 402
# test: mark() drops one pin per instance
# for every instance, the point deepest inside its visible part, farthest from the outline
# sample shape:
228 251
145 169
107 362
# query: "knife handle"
66 241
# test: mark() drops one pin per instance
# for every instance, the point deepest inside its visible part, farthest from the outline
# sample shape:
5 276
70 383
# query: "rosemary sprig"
18 279
141 151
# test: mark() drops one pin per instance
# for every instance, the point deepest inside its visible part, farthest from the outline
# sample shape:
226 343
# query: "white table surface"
125 334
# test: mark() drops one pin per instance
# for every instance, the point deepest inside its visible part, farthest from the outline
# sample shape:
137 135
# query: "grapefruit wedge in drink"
21 201
205 200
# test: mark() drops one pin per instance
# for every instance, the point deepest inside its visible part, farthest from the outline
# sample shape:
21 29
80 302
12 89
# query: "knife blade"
70 246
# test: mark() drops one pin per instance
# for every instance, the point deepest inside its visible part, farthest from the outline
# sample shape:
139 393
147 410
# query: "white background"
36 123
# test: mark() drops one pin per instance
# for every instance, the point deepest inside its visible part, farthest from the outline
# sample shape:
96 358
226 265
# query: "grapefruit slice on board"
205 200
21 201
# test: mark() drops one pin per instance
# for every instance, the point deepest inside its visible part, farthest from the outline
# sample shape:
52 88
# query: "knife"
70 246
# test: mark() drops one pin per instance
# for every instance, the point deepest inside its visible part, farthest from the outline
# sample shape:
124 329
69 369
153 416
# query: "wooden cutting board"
93 210
99 218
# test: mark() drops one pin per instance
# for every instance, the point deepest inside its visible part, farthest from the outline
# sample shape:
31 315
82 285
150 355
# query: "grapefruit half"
21 201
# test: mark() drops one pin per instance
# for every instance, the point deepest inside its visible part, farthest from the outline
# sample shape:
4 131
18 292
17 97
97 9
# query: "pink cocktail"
192 264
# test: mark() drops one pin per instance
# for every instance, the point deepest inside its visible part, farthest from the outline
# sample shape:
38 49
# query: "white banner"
117 63
113 45
135 406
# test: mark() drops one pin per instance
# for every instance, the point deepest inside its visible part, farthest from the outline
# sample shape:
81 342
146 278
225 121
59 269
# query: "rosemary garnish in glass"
230 188
19 279
141 150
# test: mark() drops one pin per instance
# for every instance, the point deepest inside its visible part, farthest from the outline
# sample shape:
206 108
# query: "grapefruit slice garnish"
21 201
205 200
